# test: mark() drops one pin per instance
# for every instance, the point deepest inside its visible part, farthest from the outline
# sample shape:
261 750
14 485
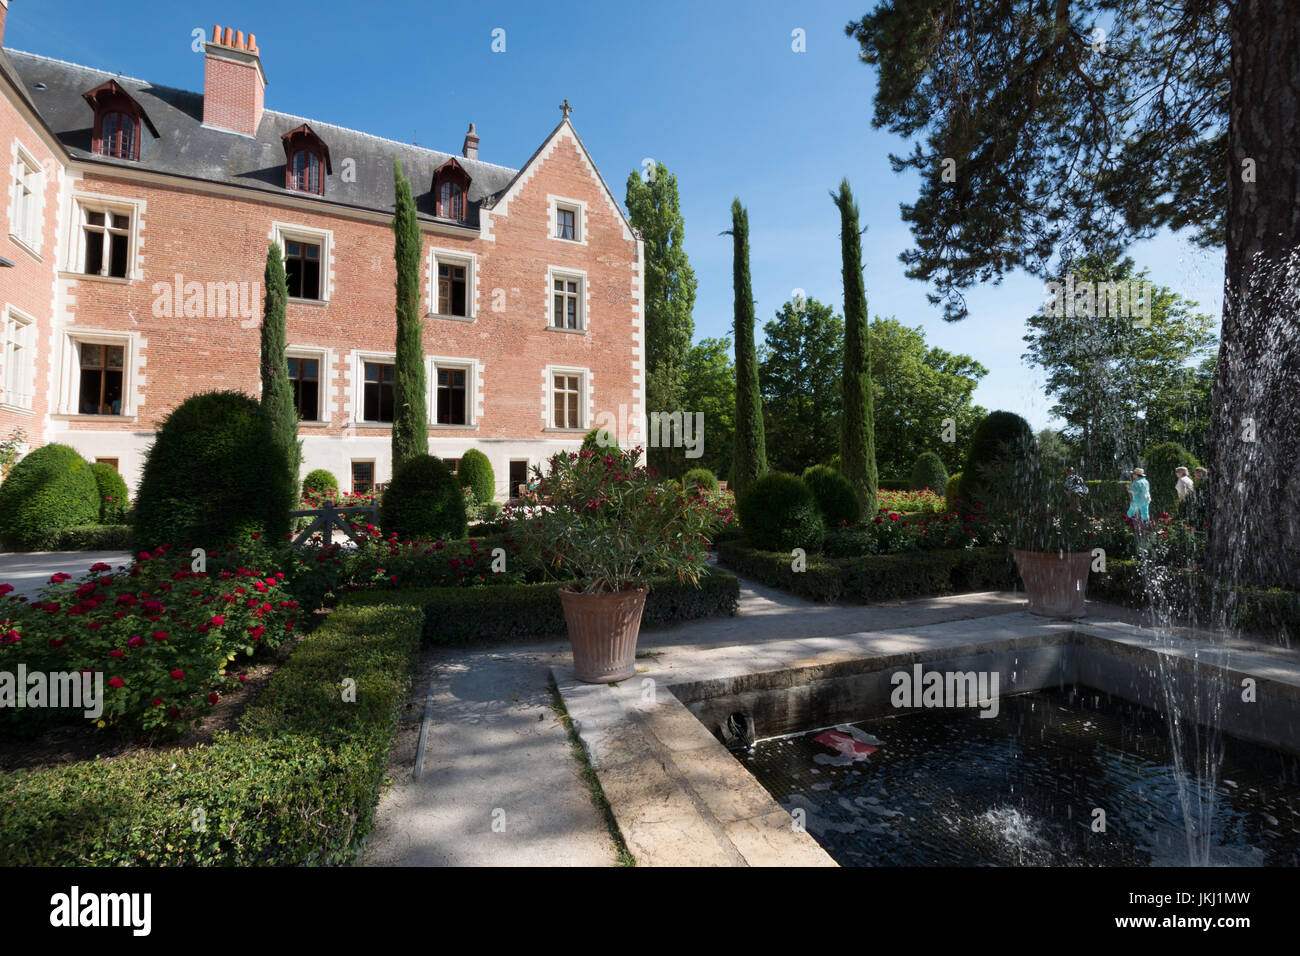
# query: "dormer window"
450 189
306 161
118 119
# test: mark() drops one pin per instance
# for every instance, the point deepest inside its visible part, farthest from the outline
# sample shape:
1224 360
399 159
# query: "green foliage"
423 501
917 389
1159 463
952 491
600 440
800 365
835 497
710 388
857 435
214 475
113 503
701 478
1108 495
50 489
296 785
11 449
94 537
654 209
319 481
929 472
779 513
1119 383
525 611
410 417
878 577
475 472
277 389
750 451
1000 463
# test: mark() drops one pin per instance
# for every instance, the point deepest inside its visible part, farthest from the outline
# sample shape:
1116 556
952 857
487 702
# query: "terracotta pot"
603 629
1056 582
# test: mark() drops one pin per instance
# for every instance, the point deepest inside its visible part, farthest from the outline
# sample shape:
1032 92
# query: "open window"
306 161
119 120
450 189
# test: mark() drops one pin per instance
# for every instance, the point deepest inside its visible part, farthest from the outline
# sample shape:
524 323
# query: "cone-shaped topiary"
410 418
999 465
836 499
929 472
214 475
277 389
703 478
423 501
1159 463
113 502
320 481
475 472
952 491
51 488
858 424
779 513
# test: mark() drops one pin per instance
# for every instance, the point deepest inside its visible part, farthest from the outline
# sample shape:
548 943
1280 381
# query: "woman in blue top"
1139 496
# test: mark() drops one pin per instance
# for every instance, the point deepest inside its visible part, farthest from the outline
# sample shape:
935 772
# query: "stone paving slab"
29 571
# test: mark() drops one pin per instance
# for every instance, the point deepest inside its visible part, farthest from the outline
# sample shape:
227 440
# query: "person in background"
1184 485
1076 487
1140 498
1200 474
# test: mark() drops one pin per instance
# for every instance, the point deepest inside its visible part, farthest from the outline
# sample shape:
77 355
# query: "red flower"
157 701
178 675
60 577
99 566
116 682
213 698
58 641
173 712
5 589
136 641
158 636
117 652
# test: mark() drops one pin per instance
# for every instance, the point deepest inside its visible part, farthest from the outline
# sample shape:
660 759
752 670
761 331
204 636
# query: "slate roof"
187 148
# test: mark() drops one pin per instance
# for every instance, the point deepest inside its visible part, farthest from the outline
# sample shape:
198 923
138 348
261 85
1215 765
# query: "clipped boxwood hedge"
1107 495
512 612
296 785
880 577
113 503
94 537
52 488
423 501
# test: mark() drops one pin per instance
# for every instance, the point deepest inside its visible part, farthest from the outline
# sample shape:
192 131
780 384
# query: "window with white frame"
96 374
453 392
452 284
26 224
306 261
104 239
567 295
567 389
567 217
308 372
19 359
374 393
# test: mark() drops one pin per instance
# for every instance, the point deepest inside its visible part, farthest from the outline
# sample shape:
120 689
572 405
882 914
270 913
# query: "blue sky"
714 92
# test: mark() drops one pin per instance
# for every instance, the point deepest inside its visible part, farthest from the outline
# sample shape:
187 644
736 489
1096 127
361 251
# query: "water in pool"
947 787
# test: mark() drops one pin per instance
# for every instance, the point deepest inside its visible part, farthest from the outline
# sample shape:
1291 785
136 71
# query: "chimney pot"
252 43
239 39
216 33
228 38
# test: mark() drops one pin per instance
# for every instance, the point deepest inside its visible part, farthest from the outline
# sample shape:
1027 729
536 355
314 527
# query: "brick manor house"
134 239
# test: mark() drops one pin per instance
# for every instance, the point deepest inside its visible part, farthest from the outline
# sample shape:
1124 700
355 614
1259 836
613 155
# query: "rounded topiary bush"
475 472
423 501
52 488
778 513
703 478
952 491
1159 463
214 476
834 494
113 503
320 481
1000 463
595 441
929 472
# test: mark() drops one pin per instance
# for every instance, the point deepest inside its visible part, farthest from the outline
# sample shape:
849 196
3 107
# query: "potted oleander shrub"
606 526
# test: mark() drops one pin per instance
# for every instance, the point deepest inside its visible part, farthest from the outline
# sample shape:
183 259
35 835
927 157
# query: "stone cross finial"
566 108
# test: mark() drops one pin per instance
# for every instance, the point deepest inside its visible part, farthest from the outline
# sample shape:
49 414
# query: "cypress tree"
858 431
410 417
277 390
750 450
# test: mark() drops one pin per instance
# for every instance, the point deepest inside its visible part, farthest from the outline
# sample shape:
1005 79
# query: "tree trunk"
1255 435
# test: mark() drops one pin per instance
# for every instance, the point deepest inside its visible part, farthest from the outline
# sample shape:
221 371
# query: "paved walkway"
496 753
30 571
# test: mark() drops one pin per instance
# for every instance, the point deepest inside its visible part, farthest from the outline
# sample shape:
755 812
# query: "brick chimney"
4 8
470 149
234 84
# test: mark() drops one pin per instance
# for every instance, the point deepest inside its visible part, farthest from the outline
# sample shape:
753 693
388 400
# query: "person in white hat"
1139 497
1184 485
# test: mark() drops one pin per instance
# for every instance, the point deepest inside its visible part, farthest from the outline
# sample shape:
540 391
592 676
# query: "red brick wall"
233 94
